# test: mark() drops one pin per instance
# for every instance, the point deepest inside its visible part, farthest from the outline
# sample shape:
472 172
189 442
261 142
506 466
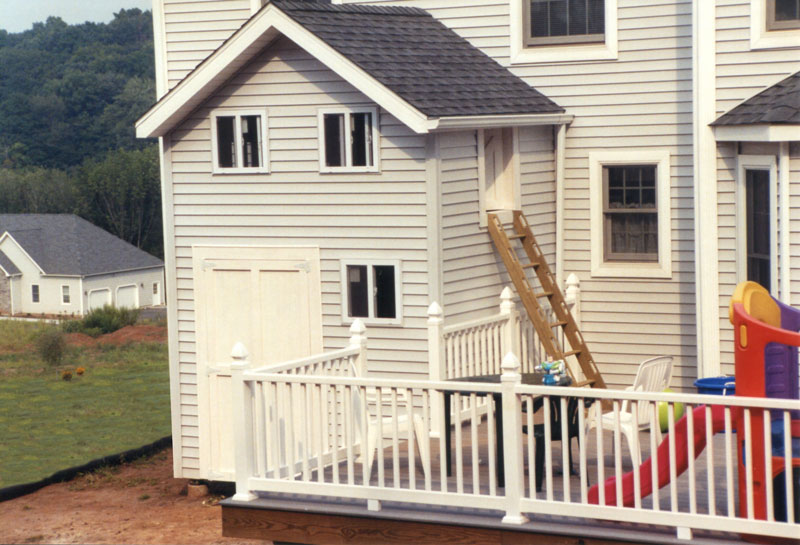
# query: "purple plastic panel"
781 363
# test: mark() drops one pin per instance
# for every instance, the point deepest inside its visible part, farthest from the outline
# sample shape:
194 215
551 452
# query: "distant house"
62 264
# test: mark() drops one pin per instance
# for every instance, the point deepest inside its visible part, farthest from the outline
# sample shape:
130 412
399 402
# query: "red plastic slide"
681 458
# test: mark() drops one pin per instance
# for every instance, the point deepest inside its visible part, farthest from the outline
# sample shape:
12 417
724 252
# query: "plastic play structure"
766 340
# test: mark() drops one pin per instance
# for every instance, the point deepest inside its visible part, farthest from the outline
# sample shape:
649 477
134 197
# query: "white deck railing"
305 434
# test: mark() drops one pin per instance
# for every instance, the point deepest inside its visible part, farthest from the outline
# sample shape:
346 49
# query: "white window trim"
607 50
663 267
761 38
515 163
756 162
376 163
264 168
398 291
68 295
39 290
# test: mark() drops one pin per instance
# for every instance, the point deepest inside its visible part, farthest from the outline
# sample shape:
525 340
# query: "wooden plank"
325 529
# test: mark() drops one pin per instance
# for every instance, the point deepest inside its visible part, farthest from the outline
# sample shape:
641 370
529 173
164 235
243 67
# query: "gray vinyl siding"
195 28
371 216
643 100
473 273
741 73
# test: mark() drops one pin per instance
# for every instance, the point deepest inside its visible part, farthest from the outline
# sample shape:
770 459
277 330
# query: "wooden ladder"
549 290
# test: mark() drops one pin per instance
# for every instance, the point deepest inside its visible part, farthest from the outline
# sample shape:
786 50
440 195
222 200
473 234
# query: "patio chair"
654 375
376 430
573 430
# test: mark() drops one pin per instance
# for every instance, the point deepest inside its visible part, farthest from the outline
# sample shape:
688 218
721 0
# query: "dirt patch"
138 502
126 335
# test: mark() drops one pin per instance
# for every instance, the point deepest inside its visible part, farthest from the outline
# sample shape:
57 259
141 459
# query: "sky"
19 15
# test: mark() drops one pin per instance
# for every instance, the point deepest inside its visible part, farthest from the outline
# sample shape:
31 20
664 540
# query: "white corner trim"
238 113
608 50
784 205
560 139
255 5
242 47
433 206
661 160
761 38
756 162
762 132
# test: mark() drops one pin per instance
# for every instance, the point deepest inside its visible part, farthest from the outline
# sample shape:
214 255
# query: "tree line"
69 97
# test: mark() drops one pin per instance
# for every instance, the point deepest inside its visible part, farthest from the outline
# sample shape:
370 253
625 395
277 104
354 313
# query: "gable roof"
778 104
402 58
7 266
64 244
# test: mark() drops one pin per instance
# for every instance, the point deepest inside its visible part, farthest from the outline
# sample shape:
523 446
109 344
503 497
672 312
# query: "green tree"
122 194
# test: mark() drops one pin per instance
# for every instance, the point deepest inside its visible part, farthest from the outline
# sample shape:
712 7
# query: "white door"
156 294
498 154
128 296
98 298
267 298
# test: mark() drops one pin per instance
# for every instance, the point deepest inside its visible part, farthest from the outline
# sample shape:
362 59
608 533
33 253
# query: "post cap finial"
435 310
358 327
239 351
506 294
573 280
510 364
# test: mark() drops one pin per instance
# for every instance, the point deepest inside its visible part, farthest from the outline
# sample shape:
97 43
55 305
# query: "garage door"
127 296
98 298
267 298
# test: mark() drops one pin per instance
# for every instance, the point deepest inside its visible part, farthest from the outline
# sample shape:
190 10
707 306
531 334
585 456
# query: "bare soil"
126 335
139 502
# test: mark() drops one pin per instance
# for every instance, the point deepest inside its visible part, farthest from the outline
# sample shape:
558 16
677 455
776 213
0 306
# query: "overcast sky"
19 15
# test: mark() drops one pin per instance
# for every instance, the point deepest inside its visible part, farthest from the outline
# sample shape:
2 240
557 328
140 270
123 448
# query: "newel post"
242 406
510 329
512 439
437 366
358 339
573 297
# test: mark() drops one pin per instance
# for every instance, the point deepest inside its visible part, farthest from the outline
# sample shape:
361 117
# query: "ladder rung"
571 353
512 237
544 294
529 265
558 323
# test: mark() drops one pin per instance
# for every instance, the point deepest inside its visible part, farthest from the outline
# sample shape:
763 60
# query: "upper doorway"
757 228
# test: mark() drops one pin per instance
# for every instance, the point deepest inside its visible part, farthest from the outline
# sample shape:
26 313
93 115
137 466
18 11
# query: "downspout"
706 250
784 257
561 138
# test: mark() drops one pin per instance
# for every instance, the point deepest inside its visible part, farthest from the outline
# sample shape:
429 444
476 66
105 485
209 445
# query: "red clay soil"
128 334
138 502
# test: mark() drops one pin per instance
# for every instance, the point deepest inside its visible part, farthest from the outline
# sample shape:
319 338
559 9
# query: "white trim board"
761 38
757 133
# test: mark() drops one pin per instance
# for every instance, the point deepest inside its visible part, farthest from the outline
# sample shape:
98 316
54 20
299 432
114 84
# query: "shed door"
127 296
98 298
266 298
498 154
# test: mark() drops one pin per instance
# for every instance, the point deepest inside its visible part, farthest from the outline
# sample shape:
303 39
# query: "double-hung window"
34 293
564 21
239 141
65 298
630 213
783 14
371 291
348 140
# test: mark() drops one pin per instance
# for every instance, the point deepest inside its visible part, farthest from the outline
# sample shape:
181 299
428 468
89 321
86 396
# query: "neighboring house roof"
419 58
64 244
778 104
402 58
8 266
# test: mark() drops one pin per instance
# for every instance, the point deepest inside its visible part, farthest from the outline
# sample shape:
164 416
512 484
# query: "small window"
630 213
783 14
348 140
35 293
155 288
239 142
372 292
65 295
564 21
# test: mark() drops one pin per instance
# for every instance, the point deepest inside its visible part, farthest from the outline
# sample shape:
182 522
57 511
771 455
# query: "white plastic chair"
654 375
377 430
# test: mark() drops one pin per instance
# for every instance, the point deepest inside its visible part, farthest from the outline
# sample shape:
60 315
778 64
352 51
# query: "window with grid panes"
630 213
564 21
783 14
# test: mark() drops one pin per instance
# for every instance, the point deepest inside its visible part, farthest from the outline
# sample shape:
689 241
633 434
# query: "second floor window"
631 215
564 21
783 14
35 293
348 140
239 142
65 295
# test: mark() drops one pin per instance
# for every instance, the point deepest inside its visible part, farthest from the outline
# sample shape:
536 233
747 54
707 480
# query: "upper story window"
65 299
564 21
35 293
783 14
239 141
348 140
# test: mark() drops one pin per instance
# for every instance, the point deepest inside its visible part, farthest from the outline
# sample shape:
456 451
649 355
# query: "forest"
69 97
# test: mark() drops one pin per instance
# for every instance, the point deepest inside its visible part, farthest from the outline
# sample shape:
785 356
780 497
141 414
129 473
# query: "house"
327 161
62 264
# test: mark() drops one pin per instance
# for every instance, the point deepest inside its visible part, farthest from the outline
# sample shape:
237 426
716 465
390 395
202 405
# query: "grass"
48 424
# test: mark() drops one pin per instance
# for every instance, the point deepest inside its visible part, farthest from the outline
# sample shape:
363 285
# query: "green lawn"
48 424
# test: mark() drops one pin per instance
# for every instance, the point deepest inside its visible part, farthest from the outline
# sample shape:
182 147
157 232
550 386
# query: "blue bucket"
719 386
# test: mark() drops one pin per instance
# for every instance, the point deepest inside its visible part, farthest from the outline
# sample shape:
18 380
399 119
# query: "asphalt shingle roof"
7 265
419 58
67 244
779 104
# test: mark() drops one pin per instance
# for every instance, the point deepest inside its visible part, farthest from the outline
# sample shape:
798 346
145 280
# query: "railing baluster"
788 470
490 443
635 447
654 421
323 431
349 432
261 429
290 425
566 447
459 461
710 483
276 432
308 432
412 459
443 433
531 446
335 435
601 474
379 439
691 454
548 449
426 447
395 439
673 472
748 456
473 403
729 464
582 449
617 453
766 422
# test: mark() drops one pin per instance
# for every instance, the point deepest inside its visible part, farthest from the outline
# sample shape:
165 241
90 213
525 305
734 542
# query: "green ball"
663 418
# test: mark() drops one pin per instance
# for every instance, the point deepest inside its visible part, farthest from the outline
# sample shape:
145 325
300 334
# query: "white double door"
267 298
